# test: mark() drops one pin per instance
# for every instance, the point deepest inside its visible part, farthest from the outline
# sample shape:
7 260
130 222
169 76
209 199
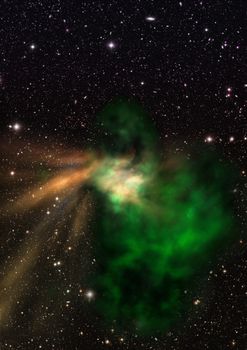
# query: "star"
33 47
89 295
209 139
15 126
111 45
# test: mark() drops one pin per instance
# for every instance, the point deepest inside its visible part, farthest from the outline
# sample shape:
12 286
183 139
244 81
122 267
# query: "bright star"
16 126
209 139
111 45
32 46
89 295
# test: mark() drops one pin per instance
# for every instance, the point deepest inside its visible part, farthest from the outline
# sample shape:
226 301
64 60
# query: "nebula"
157 223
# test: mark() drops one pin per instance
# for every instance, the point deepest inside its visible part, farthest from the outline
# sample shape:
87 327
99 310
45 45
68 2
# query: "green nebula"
158 225
124 127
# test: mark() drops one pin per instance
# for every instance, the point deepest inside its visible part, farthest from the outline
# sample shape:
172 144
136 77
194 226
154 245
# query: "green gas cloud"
159 224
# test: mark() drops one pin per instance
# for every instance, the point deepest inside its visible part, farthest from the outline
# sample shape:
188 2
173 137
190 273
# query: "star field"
60 63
